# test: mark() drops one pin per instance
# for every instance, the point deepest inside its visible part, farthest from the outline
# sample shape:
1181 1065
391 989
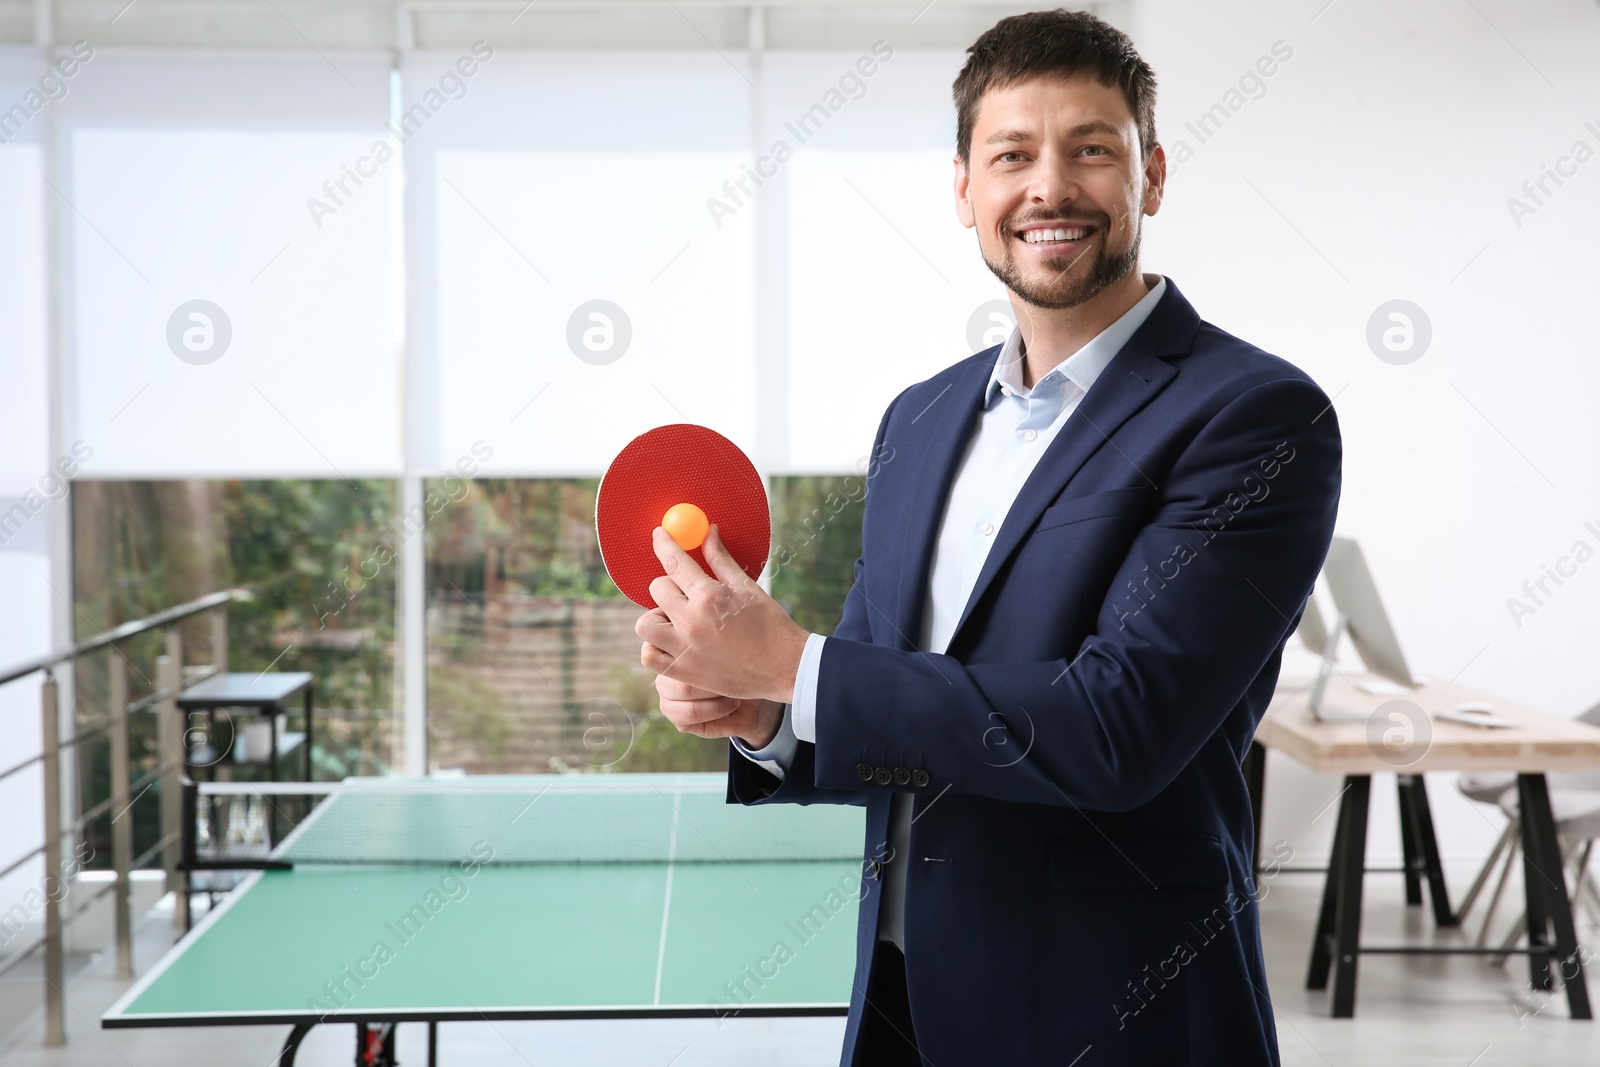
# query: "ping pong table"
537 897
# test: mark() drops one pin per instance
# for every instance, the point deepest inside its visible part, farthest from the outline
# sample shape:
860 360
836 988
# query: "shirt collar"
1083 366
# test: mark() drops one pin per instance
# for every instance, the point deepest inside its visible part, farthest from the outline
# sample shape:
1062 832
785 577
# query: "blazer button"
901 776
883 776
864 772
919 777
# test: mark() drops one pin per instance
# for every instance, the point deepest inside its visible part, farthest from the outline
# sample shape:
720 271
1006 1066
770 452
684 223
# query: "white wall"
1376 165
26 481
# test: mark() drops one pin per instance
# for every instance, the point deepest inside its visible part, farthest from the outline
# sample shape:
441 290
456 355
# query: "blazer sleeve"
749 783
1241 531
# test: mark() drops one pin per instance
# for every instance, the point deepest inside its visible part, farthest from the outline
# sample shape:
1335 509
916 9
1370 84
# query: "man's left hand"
723 634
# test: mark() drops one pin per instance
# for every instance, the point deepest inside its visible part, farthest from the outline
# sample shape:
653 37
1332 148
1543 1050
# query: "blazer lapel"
1135 376
1126 385
1130 381
948 423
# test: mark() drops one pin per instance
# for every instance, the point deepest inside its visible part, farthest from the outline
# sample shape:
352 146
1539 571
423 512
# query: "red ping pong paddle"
660 469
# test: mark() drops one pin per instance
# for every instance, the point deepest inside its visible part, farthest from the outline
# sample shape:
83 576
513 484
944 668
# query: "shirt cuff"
804 708
778 755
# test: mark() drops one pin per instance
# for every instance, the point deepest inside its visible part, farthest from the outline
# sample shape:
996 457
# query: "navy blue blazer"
1079 873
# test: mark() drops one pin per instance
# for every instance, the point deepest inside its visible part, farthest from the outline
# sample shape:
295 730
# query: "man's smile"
1049 240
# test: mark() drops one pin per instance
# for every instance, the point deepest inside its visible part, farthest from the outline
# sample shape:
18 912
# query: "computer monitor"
1313 631
1355 595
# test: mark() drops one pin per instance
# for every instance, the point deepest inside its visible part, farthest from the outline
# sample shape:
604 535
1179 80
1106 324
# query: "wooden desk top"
1402 741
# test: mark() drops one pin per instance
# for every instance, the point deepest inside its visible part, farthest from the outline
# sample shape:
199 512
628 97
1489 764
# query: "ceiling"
362 25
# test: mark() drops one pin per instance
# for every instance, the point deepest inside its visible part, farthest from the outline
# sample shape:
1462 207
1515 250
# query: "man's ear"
963 204
1155 179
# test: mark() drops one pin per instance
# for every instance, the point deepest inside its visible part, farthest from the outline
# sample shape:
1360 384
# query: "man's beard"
1060 291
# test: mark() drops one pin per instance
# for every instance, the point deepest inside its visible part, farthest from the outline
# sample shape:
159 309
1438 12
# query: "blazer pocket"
1093 506
1094 861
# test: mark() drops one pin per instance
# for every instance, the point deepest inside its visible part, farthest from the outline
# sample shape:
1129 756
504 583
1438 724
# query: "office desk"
1396 734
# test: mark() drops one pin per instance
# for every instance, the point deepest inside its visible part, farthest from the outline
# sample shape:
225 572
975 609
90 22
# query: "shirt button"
1029 435
1005 390
986 529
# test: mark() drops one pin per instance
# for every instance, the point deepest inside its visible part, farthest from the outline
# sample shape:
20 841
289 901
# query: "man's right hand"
707 714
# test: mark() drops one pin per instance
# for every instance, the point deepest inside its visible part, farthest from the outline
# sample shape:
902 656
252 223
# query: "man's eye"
1003 155
1095 148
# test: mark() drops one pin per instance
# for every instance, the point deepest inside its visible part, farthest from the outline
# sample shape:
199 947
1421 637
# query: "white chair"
1500 789
1487 788
1575 804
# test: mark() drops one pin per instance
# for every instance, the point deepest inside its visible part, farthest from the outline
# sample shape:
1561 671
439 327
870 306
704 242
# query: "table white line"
666 902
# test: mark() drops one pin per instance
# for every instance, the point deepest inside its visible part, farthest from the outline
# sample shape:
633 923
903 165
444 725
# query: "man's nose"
1054 181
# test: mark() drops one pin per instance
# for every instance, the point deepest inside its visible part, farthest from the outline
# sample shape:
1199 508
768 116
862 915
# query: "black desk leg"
214 805
272 751
1338 937
433 1041
1549 907
1416 812
1347 912
1322 941
1408 841
310 767
1255 780
1322 938
272 772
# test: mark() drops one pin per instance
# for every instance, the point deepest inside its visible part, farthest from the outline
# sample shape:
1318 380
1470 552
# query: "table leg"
433 1043
310 767
1534 871
1322 939
1255 780
272 714
272 772
1549 907
213 805
1347 910
1408 841
1414 802
292 1046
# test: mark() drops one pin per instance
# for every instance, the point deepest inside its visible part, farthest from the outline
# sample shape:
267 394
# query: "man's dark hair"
1061 43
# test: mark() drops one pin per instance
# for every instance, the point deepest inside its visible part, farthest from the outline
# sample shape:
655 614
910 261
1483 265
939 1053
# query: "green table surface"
557 941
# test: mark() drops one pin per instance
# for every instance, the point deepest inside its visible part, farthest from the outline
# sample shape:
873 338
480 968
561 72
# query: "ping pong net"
555 819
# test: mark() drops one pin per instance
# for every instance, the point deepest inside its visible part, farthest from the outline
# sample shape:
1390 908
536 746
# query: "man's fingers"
668 594
655 660
654 628
685 713
681 568
723 565
673 689
664 590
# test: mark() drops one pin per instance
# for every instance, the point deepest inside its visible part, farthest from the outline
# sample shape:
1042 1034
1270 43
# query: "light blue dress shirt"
1014 429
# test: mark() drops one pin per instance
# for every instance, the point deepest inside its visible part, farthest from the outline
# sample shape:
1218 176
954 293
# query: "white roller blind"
882 279
223 324
570 287
24 432
32 494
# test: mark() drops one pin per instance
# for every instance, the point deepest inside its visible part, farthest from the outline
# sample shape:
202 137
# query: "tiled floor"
1415 1012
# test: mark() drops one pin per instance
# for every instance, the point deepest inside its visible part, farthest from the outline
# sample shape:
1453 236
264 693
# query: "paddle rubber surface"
676 464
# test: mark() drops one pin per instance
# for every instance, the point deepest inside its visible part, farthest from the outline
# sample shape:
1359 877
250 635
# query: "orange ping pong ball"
687 524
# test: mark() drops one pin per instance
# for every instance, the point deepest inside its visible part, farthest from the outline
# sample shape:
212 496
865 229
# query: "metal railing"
171 676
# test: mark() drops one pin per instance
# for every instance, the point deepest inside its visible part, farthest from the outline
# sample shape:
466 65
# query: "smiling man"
1076 580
